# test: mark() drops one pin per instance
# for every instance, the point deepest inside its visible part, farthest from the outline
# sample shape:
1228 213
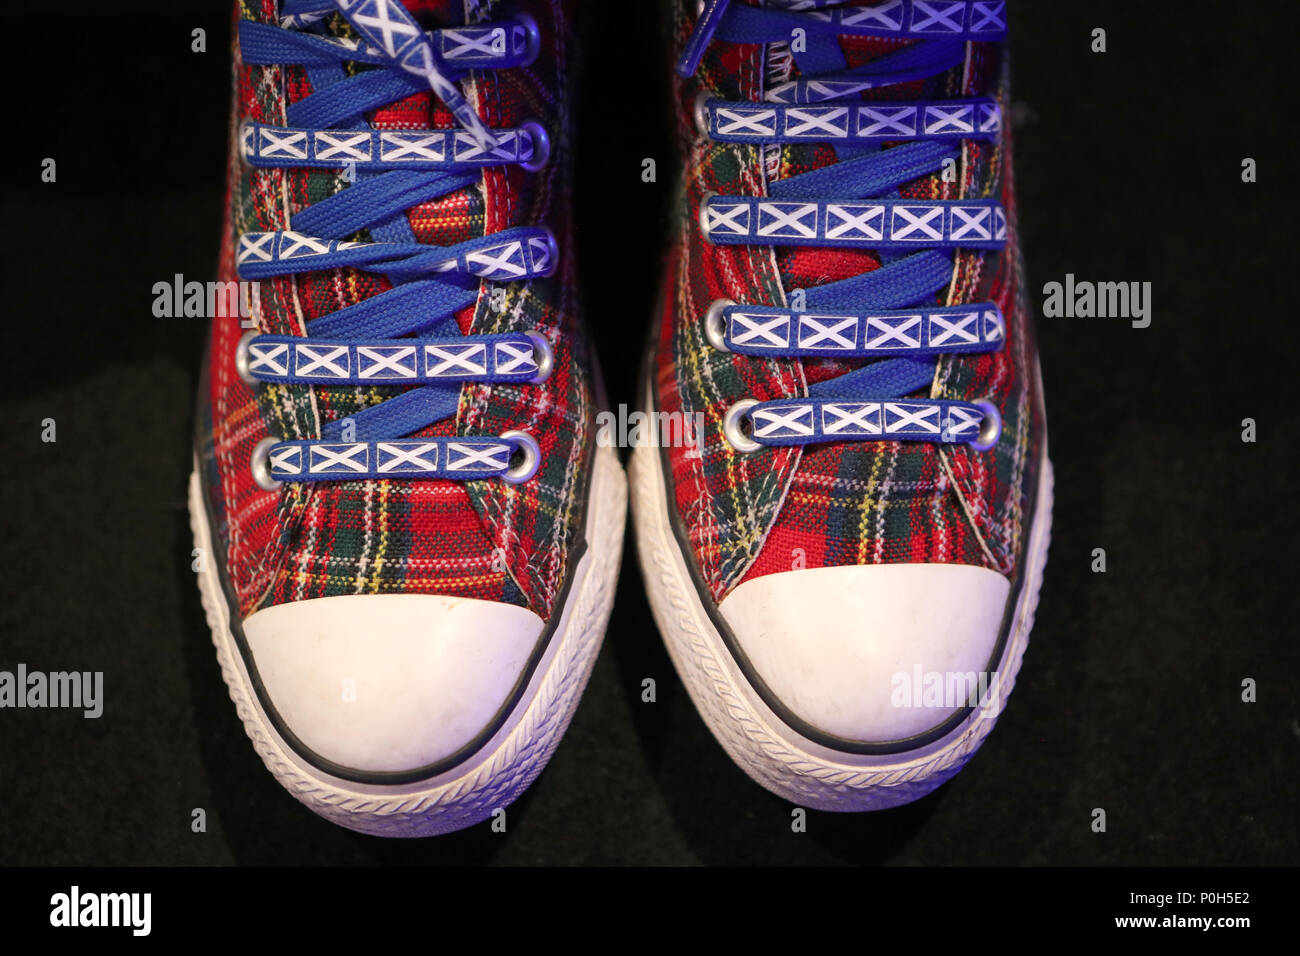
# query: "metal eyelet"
532 457
260 465
731 426
990 427
701 114
241 358
553 257
704 215
534 37
541 146
246 141
544 356
715 324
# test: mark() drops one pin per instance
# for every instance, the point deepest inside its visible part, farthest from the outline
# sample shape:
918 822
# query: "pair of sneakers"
409 528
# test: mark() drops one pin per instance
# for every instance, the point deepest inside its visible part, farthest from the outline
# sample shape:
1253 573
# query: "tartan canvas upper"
483 539
782 508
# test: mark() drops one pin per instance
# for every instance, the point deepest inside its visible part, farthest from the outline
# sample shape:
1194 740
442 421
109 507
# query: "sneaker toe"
853 652
390 683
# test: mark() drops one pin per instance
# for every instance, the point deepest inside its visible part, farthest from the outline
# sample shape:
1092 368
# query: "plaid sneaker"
409 536
846 573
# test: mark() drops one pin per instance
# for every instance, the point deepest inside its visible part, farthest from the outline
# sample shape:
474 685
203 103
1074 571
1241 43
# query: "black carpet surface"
1128 166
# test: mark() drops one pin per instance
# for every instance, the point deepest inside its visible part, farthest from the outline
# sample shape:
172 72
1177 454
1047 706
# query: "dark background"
1128 166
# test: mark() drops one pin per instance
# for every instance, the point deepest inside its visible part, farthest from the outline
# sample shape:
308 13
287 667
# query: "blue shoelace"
408 335
885 315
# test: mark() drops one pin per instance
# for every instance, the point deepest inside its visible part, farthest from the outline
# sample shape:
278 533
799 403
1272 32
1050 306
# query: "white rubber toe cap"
390 682
853 652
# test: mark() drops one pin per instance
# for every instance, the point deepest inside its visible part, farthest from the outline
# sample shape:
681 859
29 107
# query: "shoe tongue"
450 219
804 268
422 109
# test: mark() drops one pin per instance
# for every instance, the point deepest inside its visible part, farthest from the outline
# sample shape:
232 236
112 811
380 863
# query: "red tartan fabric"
778 509
486 540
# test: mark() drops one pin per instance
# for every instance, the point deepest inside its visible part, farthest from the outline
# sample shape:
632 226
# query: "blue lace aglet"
701 36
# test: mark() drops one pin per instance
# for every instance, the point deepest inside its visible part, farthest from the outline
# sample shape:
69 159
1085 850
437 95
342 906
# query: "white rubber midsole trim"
767 748
514 755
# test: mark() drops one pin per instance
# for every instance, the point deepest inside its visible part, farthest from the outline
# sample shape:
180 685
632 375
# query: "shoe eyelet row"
527 450
733 426
542 352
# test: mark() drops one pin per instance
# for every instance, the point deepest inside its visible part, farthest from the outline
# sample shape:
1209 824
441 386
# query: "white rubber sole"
765 747
504 766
